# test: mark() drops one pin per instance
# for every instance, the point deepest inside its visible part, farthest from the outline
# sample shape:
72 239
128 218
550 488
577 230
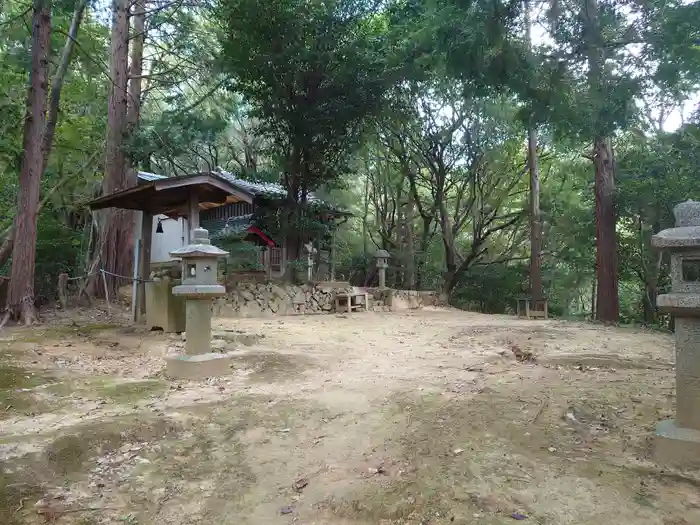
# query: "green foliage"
475 42
355 268
654 176
178 142
74 162
57 251
299 269
312 72
492 289
674 37
408 113
242 255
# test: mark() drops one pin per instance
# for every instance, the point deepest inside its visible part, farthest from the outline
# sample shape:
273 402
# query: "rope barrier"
101 272
80 276
132 279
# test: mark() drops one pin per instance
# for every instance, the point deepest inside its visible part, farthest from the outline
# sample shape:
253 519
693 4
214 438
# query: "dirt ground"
428 417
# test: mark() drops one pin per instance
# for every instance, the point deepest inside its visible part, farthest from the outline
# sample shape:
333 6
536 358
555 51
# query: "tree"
656 173
608 301
312 73
454 140
116 236
52 117
590 80
20 298
535 220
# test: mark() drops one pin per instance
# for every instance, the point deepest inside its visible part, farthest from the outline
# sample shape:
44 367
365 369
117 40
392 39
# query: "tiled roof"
149 177
260 188
231 226
254 188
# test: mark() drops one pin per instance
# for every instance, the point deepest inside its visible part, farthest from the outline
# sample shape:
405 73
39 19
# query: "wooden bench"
531 309
350 301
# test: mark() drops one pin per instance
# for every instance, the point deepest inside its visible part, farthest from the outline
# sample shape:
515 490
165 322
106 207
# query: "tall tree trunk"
649 304
423 247
133 117
608 303
290 215
116 239
410 277
8 235
58 80
594 294
426 234
133 114
20 298
649 274
365 210
448 243
535 224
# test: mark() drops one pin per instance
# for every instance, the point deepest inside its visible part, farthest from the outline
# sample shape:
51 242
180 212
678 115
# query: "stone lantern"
310 252
199 286
678 441
382 257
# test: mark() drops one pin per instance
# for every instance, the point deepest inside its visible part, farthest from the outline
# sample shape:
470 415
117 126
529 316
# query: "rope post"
104 283
63 290
134 285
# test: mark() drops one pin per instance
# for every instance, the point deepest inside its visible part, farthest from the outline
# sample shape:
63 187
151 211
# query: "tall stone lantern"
199 286
382 257
678 440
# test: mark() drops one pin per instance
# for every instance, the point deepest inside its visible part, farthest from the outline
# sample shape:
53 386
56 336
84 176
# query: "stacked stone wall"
255 299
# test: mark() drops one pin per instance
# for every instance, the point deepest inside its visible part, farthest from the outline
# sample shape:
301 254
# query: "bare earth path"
430 417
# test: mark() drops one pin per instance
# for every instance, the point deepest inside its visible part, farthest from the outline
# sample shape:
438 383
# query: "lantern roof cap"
199 247
382 254
686 234
677 238
687 213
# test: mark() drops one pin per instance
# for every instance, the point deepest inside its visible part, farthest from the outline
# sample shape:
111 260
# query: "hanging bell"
159 228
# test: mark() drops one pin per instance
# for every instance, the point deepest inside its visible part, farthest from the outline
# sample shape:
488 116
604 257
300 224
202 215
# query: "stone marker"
163 309
199 286
678 441
382 257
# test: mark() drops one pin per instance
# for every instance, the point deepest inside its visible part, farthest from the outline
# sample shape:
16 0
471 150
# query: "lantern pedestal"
199 366
675 445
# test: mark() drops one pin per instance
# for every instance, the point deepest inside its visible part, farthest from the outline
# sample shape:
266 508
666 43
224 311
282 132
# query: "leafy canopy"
312 71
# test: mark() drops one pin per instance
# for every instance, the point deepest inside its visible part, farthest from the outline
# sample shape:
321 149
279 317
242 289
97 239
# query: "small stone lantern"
310 252
199 286
678 441
382 257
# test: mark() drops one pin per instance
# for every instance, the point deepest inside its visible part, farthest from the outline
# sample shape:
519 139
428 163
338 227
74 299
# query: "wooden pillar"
333 254
144 263
267 261
192 215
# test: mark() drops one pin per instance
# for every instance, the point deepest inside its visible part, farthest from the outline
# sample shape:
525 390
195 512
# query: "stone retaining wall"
250 299
397 300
